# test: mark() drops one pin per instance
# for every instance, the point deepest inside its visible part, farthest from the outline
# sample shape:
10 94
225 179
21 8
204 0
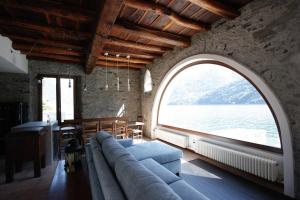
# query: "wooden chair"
67 132
107 125
136 129
120 129
89 129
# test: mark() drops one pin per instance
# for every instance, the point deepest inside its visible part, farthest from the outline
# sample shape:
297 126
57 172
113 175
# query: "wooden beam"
218 8
46 42
124 60
134 54
51 30
121 65
59 10
55 57
161 10
149 33
134 45
42 49
109 11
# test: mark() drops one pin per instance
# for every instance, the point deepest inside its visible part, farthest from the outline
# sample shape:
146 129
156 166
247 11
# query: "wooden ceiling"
81 31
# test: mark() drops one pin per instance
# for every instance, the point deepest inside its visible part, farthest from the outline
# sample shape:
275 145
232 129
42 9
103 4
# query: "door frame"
58 96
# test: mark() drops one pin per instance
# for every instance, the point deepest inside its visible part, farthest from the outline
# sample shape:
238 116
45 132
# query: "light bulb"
128 85
85 88
118 83
106 87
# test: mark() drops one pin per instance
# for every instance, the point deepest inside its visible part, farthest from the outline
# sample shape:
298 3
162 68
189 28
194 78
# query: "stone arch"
286 138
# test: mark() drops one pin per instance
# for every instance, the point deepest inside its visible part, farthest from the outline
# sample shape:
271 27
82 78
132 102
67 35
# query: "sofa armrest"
126 142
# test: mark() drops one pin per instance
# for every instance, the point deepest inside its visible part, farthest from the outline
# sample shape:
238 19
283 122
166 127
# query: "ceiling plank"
134 54
162 10
149 33
135 45
69 12
51 30
121 65
122 59
218 8
109 11
42 49
42 56
45 42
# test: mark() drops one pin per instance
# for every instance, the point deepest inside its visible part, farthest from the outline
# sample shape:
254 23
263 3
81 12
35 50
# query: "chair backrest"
140 118
90 127
107 125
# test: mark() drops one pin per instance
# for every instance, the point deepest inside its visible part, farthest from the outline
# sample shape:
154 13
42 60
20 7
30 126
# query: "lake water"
251 123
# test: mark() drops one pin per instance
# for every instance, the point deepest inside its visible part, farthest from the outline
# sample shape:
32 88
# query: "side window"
147 82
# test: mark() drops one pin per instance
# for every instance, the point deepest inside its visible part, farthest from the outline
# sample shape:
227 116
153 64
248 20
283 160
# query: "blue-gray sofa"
120 170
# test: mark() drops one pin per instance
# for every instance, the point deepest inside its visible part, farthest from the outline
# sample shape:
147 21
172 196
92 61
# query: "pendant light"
39 78
69 78
106 84
84 86
128 80
118 79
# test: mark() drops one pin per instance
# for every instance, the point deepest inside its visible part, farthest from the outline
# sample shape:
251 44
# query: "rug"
216 184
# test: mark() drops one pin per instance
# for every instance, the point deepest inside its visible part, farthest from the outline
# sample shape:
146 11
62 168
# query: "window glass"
147 81
213 99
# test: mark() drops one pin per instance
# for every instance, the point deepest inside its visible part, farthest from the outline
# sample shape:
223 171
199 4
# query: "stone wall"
95 102
14 88
265 38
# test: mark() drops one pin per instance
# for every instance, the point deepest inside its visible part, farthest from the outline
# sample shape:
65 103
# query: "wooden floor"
25 186
76 186
67 186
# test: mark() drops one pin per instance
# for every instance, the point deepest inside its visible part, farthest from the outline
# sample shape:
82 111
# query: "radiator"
261 167
174 138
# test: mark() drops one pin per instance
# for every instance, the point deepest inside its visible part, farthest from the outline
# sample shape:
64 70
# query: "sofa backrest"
109 185
113 151
102 135
139 183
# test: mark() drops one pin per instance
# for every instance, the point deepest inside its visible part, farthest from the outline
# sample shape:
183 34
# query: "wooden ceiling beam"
135 45
149 33
45 42
162 10
100 63
108 13
218 8
51 30
42 49
59 10
134 54
124 60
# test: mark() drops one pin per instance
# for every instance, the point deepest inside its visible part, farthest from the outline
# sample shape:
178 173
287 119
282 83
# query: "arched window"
213 99
147 81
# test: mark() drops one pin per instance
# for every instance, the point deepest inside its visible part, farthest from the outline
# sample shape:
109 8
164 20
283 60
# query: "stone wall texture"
14 88
265 38
95 102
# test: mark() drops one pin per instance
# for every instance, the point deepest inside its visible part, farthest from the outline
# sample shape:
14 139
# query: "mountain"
238 92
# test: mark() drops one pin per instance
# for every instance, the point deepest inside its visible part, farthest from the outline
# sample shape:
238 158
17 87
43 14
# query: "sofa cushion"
186 192
94 144
94 182
174 166
112 151
160 152
126 142
139 183
102 135
160 171
109 185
